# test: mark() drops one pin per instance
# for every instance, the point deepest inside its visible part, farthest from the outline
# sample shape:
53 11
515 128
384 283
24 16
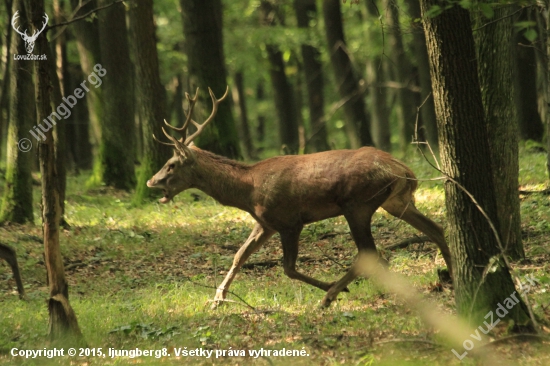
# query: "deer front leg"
258 237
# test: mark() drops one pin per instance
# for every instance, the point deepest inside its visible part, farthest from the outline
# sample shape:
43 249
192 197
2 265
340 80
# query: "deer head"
176 176
29 40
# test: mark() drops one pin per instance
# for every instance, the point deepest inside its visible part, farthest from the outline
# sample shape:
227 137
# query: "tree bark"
403 73
376 71
115 162
17 198
150 94
427 112
63 324
282 89
87 41
481 278
495 67
357 120
530 121
202 27
306 12
240 98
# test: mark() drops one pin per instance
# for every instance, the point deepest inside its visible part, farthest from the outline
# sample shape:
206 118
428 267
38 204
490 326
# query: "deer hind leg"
256 239
290 239
406 211
359 221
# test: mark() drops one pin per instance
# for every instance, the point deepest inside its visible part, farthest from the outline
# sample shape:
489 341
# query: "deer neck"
225 180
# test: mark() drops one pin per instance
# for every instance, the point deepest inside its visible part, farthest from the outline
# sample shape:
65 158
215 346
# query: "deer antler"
200 127
183 129
183 142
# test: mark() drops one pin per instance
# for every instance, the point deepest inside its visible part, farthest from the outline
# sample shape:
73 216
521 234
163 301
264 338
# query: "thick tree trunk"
59 136
17 198
547 91
530 121
284 100
403 73
282 89
5 72
376 71
464 148
240 99
260 129
357 120
427 112
63 324
306 12
150 94
87 41
78 130
202 27
496 79
115 163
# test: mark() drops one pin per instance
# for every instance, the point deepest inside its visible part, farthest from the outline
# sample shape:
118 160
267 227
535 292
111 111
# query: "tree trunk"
87 41
497 90
63 323
59 134
260 129
17 198
78 130
376 70
115 162
547 38
202 27
150 94
481 278
306 12
282 90
403 73
240 98
427 112
530 121
357 120
5 72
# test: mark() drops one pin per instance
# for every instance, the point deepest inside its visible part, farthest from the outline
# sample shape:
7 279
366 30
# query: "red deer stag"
285 193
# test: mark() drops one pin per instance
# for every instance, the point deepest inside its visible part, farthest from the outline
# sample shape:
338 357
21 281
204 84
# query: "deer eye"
171 167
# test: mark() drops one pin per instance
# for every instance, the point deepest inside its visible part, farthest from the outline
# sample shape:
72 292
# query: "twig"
531 315
83 16
502 18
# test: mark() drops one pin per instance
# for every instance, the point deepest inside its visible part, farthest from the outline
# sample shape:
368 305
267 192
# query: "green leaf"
487 10
531 34
434 11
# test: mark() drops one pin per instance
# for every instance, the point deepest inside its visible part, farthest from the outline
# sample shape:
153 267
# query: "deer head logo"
29 40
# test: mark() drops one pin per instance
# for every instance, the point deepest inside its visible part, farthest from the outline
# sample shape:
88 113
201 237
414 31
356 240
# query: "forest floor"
141 277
